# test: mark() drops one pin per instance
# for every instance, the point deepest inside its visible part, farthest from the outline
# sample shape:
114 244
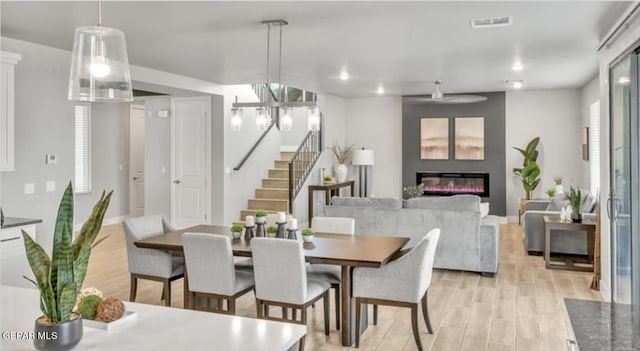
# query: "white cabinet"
7 141
13 257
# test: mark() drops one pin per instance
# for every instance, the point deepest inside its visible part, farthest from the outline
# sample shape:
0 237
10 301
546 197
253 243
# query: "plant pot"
340 171
307 238
523 205
261 220
59 336
576 217
236 235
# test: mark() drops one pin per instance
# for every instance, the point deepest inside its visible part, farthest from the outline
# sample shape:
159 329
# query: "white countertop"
156 328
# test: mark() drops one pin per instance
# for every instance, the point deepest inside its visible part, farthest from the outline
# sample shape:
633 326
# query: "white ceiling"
403 46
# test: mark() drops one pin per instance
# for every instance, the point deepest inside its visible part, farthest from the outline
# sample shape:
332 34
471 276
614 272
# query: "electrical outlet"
50 186
29 188
51 159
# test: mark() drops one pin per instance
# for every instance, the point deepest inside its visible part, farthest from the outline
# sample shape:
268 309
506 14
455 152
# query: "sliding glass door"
624 153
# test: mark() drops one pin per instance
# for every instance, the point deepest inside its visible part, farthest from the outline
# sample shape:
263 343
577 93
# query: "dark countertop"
601 326
10 222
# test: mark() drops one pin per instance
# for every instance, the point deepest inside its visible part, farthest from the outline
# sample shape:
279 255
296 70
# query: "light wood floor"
521 308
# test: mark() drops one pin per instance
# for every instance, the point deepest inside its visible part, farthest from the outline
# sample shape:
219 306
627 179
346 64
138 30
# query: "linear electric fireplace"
454 183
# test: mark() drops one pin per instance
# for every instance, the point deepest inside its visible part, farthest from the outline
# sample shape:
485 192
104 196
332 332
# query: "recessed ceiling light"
516 84
344 75
517 66
380 90
624 80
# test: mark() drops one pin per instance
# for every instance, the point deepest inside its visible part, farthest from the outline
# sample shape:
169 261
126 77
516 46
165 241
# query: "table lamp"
362 158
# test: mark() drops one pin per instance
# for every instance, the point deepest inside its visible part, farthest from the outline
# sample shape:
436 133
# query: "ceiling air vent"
492 22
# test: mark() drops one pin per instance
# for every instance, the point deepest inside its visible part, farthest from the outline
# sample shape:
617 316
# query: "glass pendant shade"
286 121
262 118
99 66
313 121
236 119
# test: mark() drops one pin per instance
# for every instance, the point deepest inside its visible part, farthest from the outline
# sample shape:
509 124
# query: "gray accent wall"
493 110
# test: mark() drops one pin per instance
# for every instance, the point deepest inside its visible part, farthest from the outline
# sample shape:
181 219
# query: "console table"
552 223
329 191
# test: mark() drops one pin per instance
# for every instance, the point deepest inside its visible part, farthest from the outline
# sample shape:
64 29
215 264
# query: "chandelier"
267 105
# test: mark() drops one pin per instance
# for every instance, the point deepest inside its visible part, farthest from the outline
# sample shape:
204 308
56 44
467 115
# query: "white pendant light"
236 119
313 121
262 118
286 120
99 65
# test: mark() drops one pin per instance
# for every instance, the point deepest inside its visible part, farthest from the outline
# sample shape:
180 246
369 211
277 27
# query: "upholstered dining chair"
211 272
281 280
151 264
332 273
403 282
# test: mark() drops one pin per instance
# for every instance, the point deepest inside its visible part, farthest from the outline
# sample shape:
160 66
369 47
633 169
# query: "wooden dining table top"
338 249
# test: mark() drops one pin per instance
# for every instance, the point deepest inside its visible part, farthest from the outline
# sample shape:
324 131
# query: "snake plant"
60 278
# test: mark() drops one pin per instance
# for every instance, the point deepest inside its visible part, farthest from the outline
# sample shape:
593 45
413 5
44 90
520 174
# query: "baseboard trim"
512 219
106 221
604 291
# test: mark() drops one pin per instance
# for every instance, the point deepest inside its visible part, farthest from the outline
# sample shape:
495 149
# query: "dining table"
346 251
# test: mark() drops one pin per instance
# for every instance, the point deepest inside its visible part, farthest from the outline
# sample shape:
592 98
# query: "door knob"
176 181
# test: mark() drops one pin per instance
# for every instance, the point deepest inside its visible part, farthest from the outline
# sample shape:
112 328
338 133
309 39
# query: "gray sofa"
468 241
565 242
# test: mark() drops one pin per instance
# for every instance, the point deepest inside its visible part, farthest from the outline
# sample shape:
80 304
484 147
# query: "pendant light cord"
99 13
268 61
280 65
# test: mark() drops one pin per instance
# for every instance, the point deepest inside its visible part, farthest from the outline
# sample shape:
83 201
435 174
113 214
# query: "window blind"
82 179
594 146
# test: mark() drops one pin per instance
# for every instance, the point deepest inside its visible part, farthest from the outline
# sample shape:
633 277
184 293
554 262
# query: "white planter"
307 238
261 219
236 235
340 170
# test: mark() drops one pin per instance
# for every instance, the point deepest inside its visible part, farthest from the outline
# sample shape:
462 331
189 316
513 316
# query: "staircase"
273 196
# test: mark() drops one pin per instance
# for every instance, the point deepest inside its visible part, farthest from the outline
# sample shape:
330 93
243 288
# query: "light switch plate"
50 186
29 188
51 159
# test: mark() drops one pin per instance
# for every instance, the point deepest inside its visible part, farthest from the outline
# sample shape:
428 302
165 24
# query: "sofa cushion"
382 202
456 202
484 209
558 202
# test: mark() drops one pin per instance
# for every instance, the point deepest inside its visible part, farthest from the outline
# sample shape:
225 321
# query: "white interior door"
136 161
190 165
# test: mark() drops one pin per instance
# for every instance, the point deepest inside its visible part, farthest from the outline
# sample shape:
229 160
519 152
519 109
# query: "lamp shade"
99 66
362 157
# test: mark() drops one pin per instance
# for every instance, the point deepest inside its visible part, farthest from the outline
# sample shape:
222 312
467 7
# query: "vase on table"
340 171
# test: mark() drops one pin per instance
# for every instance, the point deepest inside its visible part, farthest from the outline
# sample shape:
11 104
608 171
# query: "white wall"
376 123
157 157
590 94
555 116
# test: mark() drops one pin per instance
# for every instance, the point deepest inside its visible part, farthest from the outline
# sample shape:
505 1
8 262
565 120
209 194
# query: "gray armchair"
151 264
563 241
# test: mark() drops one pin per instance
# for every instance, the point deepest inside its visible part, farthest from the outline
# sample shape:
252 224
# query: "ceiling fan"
437 97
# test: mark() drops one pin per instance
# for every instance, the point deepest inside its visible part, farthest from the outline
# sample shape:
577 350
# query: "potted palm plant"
575 200
60 277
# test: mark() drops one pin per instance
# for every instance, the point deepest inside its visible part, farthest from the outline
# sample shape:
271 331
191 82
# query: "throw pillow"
456 202
588 203
558 202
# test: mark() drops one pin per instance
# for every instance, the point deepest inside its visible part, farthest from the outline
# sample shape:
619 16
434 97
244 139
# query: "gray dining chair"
332 273
151 264
281 280
403 282
211 272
